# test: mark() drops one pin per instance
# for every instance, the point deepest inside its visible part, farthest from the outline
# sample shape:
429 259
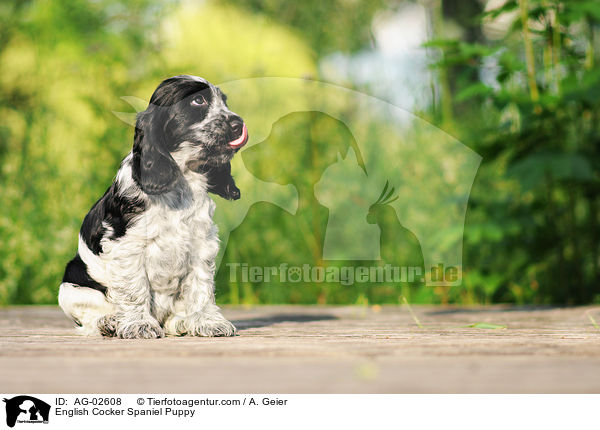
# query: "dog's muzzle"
240 141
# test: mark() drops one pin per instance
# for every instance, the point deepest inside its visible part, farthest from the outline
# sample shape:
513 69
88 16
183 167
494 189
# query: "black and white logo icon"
26 409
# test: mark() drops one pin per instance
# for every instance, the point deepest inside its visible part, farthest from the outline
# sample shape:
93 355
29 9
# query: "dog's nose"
237 126
238 131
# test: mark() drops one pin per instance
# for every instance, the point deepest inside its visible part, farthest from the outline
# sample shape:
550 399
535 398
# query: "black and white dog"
146 260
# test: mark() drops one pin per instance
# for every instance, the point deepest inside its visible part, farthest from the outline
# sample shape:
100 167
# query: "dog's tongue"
240 141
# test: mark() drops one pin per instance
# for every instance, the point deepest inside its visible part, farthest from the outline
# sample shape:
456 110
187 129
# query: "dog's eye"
198 101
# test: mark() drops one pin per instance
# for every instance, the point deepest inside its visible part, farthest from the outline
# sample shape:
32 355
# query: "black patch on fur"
178 105
220 181
158 128
153 168
115 210
76 273
173 90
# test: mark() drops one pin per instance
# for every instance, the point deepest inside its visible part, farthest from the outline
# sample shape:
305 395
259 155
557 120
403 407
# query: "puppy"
146 258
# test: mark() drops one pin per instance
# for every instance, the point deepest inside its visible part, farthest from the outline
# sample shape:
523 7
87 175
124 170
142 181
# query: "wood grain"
296 349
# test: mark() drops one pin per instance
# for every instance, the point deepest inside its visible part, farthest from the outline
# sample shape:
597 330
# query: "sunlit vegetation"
517 82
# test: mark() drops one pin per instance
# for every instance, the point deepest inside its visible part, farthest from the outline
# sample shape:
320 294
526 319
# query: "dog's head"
187 126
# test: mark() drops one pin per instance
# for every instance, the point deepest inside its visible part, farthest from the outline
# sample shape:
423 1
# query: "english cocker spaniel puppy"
146 258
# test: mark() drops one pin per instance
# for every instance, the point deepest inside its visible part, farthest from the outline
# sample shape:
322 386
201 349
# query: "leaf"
478 89
509 6
486 326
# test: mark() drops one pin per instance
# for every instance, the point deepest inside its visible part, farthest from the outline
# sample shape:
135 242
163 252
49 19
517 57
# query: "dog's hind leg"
85 306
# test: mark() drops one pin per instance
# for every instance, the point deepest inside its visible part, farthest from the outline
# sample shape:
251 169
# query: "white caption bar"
266 411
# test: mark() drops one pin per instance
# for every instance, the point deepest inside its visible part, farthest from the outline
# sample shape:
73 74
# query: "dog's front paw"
143 329
201 324
211 328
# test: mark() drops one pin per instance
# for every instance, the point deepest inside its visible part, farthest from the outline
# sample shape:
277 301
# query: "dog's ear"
153 168
221 183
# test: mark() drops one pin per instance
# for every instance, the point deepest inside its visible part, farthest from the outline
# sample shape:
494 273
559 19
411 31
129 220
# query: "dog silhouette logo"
26 409
319 157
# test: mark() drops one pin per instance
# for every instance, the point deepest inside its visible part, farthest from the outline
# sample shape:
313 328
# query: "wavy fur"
146 259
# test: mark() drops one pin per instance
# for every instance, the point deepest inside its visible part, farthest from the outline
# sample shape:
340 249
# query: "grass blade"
412 314
592 320
487 326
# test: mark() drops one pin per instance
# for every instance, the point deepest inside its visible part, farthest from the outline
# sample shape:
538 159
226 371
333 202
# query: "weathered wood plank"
313 349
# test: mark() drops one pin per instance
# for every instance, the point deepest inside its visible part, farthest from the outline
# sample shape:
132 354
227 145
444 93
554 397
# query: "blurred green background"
515 81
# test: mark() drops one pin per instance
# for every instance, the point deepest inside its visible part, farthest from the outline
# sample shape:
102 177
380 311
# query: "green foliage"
532 231
533 220
65 65
327 26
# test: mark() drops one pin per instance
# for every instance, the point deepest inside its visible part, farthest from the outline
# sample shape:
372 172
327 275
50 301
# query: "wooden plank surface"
295 349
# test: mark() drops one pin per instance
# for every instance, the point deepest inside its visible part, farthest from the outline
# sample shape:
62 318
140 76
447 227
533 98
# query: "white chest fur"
179 242
167 243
